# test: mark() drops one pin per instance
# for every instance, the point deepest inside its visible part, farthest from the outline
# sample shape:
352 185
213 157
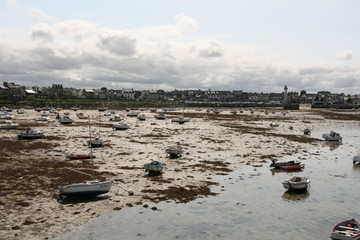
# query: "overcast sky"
249 45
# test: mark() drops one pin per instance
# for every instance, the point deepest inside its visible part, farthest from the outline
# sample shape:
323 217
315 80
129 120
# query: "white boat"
8 125
85 189
20 111
6 116
346 230
332 136
296 183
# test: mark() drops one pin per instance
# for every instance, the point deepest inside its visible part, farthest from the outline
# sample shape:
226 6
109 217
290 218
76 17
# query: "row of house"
13 90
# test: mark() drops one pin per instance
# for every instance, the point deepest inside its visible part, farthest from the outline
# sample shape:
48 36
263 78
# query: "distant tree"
302 92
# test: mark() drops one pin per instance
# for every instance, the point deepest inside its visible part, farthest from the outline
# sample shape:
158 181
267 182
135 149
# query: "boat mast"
90 144
80 172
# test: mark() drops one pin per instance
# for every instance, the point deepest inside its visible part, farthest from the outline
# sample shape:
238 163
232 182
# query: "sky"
248 45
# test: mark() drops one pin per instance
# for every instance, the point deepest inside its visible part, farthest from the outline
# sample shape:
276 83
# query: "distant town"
13 92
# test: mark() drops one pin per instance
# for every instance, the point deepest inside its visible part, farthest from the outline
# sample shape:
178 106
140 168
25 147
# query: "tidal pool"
252 203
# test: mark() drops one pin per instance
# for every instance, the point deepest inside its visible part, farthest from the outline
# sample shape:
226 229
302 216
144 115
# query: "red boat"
292 167
74 156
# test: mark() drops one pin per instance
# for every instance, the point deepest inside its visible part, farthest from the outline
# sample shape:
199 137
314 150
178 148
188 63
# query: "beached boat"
160 116
307 131
121 126
20 111
356 159
6 116
174 151
132 114
216 111
6 109
81 115
141 117
74 156
154 167
274 124
86 189
180 120
346 230
117 118
332 136
30 134
296 183
42 119
8 124
65 120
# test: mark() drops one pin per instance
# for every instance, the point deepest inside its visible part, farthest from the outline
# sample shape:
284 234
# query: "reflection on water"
292 195
333 145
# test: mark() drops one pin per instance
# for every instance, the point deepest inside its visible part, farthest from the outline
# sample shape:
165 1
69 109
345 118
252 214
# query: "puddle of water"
252 203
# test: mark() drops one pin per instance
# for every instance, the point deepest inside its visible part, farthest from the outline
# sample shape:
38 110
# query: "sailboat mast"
90 144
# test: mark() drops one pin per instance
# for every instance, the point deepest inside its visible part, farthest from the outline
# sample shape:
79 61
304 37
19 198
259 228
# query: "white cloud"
345 55
40 15
42 32
76 29
184 22
117 42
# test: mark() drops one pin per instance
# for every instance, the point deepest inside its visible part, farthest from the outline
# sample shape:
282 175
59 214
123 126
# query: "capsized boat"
296 183
332 136
346 230
154 167
30 134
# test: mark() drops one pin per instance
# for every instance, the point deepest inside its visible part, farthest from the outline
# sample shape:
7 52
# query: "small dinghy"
74 156
346 230
296 183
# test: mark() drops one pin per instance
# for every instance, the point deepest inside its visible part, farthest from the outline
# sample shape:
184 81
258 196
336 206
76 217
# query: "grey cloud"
42 32
117 42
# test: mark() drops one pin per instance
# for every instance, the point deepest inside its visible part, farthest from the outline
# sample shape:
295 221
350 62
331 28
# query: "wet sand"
213 144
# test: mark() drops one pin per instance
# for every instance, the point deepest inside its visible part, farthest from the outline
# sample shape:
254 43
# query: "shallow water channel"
252 203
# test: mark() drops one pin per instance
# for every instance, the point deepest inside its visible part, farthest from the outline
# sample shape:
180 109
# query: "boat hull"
86 189
81 156
292 167
346 230
296 185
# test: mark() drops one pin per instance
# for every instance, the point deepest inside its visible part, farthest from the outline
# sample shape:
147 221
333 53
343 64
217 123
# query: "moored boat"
292 167
180 120
296 183
160 116
277 165
346 230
